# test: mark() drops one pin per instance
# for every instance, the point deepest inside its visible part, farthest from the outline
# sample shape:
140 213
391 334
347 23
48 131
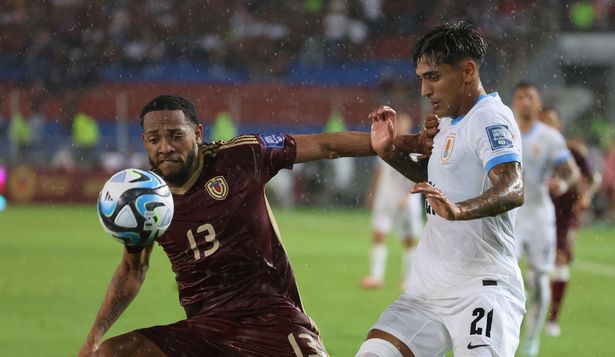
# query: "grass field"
56 262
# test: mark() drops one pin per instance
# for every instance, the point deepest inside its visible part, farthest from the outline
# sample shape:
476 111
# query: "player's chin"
170 168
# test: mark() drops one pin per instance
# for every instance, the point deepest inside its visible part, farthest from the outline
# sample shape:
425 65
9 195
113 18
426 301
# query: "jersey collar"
480 97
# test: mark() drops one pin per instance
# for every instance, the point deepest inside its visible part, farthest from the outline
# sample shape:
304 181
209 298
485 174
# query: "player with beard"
234 279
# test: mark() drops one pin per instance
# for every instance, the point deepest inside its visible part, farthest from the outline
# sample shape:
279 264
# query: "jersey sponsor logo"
499 137
217 188
448 147
471 346
273 140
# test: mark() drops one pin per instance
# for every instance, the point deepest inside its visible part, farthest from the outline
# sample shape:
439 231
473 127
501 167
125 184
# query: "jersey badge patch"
273 140
499 137
448 147
217 188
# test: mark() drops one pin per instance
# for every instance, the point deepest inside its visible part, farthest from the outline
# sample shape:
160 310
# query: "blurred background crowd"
70 69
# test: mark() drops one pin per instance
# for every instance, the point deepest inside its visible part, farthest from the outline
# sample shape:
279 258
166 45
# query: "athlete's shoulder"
548 135
236 143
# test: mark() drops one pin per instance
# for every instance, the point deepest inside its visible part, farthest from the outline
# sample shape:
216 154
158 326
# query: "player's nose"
165 146
426 90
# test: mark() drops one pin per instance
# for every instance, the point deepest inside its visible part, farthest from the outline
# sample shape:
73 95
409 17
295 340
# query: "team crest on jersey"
448 147
217 187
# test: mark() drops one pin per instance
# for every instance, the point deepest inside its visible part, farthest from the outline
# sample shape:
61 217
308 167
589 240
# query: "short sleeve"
559 150
497 138
278 151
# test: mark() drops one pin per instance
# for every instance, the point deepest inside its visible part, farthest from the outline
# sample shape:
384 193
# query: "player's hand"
383 131
557 187
429 131
438 201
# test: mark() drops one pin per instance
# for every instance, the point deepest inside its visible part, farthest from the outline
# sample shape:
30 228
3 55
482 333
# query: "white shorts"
407 219
485 322
535 240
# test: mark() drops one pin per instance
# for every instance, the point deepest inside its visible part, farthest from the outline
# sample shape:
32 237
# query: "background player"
465 291
235 282
392 205
568 206
548 167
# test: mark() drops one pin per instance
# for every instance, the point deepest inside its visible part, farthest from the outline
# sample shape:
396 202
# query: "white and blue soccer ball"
135 206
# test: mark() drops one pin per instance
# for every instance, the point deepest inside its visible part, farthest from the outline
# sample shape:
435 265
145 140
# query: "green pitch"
56 263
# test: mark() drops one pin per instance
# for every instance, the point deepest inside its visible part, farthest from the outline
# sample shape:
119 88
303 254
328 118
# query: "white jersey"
391 188
394 205
454 257
544 148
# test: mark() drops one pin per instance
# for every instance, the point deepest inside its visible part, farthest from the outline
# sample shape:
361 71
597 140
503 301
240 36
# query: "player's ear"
198 133
470 69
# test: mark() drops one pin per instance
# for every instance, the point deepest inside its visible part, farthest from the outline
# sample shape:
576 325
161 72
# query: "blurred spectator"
582 15
341 31
86 137
223 127
19 137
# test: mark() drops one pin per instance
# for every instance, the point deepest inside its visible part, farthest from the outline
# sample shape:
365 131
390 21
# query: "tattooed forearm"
124 286
506 193
118 305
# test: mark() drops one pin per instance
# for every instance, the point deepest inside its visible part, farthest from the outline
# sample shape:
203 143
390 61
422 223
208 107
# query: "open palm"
383 131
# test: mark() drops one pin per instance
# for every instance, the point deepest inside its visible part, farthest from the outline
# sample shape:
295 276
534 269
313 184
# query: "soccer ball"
135 206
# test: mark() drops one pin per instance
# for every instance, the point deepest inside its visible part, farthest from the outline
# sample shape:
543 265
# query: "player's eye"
178 136
152 140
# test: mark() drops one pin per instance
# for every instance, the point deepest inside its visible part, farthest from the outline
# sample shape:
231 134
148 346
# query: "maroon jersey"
223 242
565 212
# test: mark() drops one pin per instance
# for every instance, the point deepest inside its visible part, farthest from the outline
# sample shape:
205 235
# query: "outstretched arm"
396 150
505 194
312 147
125 284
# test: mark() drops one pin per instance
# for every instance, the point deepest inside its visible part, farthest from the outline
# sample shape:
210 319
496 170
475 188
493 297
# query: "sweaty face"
526 103
443 85
171 141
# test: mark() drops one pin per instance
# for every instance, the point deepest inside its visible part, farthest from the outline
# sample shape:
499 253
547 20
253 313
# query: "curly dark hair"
451 44
171 102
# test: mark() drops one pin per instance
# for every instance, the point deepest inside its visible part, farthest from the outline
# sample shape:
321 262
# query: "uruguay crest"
448 148
217 187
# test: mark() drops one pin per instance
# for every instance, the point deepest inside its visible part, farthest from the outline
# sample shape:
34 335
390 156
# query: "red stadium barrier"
25 184
262 103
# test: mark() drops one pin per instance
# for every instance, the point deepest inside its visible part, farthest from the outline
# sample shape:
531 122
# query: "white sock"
378 260
406 263
538 306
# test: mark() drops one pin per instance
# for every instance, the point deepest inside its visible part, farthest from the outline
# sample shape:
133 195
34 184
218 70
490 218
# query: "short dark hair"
451 44
524 85
171 102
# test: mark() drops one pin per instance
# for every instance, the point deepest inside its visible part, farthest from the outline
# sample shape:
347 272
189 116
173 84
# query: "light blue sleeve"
498 139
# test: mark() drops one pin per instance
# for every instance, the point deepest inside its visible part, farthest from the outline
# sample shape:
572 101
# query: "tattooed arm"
506 194
125 284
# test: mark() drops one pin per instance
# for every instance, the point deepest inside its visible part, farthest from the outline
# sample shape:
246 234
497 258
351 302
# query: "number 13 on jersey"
207 232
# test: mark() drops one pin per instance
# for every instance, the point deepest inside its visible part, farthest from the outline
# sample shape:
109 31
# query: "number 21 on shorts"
478 327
